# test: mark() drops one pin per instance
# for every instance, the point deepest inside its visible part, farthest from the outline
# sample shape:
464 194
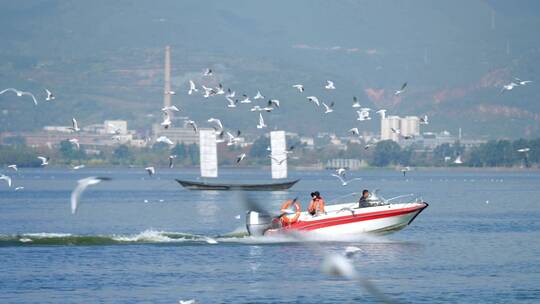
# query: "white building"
410 126
387 124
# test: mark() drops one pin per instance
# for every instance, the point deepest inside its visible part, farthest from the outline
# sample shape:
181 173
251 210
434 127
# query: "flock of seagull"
363 114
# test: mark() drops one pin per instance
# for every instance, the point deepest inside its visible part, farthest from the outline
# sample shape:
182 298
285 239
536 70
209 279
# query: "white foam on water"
43 235
25 240
146 236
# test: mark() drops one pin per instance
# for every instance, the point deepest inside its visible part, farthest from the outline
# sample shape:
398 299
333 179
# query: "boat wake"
173 238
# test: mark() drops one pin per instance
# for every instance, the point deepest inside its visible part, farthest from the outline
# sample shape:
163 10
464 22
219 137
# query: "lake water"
144 239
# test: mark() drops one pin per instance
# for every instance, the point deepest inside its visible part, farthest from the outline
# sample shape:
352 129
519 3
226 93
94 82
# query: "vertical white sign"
208 153
279 154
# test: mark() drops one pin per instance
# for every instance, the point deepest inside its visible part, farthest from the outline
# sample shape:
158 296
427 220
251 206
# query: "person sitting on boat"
363 202
316 206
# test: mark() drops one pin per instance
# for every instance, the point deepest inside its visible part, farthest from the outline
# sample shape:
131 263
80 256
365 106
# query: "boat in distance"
277 186
338 220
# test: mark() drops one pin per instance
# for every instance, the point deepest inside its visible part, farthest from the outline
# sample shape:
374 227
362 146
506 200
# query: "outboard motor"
257 223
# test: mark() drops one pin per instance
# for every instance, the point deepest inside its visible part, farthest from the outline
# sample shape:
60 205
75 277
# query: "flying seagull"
299 87
82 185
330 85
78 167
6 178
509 87
217 121
75 142
522 150
166 123
424 120
171 161
75 125
232 103
240 158
401 90
395 131
261 122
220 90
382 112
341 171
258 96
230 93
363 114
208 72
170 108
522 82
329 109
273 102
50 95
151 170
246 99
354 131
192 124
164 139
20 93
192 87
356 103
313 99
170 92
233 139
278 161
44 160
14 167
343 181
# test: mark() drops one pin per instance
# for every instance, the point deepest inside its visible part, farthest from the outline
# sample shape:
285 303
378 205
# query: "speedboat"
381 216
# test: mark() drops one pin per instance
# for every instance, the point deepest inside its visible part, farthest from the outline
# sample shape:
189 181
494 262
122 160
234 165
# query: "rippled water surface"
146 239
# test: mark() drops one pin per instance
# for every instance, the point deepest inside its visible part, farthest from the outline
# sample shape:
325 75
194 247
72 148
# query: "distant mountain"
104 60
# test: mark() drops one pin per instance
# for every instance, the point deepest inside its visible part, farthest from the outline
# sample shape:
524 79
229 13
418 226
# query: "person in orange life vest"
316 205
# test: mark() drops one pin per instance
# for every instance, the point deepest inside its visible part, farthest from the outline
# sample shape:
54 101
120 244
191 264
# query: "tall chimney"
167 88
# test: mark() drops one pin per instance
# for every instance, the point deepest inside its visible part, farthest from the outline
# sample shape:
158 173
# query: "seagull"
343 181
208 72
458 160
240 158
44 160
355 103
233 139
424 120
299 87
170 92
330 85
20 93
278 161
246 99
19 188
522 150
256 108
164 139
192 87
208 92
354 131
382 112
78 167
75 142
151 170
395 131
367 146
509 87
329 109
170 108
341 171
75 125
171 161
219 90
82 185
313 99
6 178
258 96
273 102
363 114
14 167
50 95
401 90
230 93
261 122
166 123
220 136
522 82
192 124
232 103
217 121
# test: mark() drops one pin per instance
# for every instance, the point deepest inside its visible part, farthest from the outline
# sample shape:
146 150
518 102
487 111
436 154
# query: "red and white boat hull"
345 219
